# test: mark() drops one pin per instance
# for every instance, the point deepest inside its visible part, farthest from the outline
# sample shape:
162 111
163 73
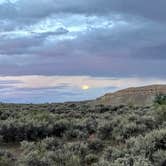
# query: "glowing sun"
85 87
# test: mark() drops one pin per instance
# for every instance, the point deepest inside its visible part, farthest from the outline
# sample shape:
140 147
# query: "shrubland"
81 134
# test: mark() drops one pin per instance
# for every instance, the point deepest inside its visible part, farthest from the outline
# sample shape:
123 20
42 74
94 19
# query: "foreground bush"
47 153
6 158
160 99
78 134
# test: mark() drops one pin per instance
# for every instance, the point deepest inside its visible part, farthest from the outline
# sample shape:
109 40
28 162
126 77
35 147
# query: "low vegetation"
79 134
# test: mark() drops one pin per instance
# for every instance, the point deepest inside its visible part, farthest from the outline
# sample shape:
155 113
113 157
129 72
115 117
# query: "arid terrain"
125 128
140 96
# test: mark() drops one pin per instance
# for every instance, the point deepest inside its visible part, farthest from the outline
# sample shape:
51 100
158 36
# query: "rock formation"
135 96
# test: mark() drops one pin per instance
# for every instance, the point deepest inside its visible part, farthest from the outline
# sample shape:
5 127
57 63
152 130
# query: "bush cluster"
81 134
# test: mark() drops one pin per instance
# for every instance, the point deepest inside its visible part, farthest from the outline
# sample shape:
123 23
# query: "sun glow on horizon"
85 87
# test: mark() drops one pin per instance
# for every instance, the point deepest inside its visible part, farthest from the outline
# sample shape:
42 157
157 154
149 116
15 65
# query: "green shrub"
91 125
132 161
96 145
41 154
112 153
75 134
159 157
160 113
149 144
51 143
6 159
90 159
105 131
60 127
79 134
102 163
160 99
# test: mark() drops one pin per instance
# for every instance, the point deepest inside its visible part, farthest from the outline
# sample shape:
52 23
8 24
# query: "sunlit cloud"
61 88
79 81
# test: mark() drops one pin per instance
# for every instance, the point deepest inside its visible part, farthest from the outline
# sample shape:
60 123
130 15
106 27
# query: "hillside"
140 96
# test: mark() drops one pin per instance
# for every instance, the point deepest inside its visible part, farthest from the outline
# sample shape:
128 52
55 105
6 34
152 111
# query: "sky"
72 50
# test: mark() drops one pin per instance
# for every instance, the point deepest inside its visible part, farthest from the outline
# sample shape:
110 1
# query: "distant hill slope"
143 96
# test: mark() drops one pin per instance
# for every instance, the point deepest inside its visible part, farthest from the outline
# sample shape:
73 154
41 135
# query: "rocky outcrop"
143 96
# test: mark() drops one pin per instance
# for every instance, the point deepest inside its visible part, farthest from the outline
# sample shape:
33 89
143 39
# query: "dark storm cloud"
23 13
136 35
154 52
115 42
119 41
42 8
95 38
26 44
18 45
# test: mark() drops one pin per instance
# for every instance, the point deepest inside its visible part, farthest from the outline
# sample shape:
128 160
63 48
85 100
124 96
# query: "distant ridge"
141 96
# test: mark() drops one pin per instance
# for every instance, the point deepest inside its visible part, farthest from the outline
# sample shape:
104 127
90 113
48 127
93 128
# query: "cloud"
102 36
6 82
47 82
27 9
61 88
154 52
102 39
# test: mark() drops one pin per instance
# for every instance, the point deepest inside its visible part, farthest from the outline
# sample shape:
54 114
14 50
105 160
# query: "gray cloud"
18 45
6 82
155 52
43 8
4 87
107 37
26 44
59 87
103 38
24 13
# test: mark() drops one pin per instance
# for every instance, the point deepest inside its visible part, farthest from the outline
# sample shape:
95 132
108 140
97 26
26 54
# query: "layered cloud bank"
38 89
81 37
109 38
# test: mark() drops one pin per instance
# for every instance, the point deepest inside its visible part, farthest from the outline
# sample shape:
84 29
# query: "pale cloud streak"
61 88
78 81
